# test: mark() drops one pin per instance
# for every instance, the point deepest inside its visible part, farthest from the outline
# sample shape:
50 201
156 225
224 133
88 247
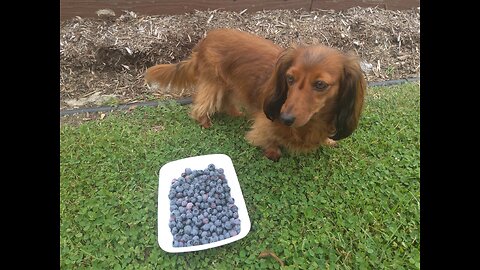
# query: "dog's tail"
174 76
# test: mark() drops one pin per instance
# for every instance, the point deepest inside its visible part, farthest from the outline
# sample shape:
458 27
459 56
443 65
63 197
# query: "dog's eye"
290 79
320 85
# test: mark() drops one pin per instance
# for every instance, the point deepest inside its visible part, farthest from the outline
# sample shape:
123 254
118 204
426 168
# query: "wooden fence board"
345 4
87 8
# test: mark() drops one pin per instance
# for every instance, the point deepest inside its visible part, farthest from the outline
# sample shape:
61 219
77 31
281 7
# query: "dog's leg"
262 135
229 107
330 142
207 101
272 152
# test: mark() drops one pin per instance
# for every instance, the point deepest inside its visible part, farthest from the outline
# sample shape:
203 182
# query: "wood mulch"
102 60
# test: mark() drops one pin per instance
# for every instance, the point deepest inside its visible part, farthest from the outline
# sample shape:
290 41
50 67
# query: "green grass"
356 206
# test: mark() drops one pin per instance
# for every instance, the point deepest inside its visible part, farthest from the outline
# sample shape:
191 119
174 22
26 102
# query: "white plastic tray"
173 170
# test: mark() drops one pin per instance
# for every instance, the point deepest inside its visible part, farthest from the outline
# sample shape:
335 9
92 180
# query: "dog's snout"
287 118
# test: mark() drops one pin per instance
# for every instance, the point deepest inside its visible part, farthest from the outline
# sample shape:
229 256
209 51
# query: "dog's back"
220 62
233 56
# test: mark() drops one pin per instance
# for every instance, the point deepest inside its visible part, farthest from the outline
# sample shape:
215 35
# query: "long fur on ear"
350 98
273 103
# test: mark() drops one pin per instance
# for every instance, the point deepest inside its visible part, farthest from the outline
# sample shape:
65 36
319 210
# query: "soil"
102 60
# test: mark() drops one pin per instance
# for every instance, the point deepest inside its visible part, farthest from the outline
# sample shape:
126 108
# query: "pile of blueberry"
201 208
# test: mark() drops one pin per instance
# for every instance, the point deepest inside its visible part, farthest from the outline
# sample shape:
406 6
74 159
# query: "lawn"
356 206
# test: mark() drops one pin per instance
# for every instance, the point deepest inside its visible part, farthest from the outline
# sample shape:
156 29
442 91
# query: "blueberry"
211 167
213 239
188 171
204 234
221 237
233 233
187 229
206 227
213 228
184 203
218 223
189 205
194 231
227 225
220 170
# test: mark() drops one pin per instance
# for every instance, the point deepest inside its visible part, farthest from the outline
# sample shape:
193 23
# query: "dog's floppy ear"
278 85
350 98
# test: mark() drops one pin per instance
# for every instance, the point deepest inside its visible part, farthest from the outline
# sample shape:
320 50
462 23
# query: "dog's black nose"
287 118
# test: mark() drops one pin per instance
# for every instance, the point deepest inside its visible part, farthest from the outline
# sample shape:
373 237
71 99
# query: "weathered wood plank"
345 4
87 8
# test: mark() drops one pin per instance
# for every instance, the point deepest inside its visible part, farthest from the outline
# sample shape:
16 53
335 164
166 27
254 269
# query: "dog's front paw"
330 142
273 153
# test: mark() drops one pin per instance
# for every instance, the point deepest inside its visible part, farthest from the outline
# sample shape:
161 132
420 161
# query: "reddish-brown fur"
322 88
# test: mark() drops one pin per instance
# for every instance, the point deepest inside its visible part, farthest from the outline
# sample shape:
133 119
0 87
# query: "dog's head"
317 79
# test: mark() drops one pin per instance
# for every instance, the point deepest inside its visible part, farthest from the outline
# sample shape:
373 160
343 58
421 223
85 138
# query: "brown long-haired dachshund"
299 98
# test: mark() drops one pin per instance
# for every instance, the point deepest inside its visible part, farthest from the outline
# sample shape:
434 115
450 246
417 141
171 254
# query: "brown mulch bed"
102 60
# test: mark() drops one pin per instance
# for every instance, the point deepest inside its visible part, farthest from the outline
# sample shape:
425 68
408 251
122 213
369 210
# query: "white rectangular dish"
174 169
